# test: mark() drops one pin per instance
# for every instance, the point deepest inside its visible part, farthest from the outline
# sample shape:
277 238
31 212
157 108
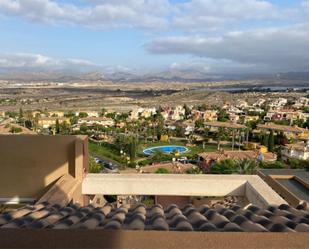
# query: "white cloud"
267 49
38 61
194 15
205 15
100 15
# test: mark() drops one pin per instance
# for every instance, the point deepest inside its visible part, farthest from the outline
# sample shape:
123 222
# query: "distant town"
262 132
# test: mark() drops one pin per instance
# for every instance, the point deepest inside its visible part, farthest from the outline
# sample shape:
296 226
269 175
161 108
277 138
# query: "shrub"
93 166
272 165
14 129
299 164
227 166
162 171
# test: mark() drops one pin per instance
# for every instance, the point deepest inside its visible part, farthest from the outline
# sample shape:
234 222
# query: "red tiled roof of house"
236 155
301 146
284 128
172 167
225 125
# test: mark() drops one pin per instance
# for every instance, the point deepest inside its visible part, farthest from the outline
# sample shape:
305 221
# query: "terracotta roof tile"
281 218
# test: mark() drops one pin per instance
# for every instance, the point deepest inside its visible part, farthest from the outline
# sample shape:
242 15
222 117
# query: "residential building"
234 118
278 103
298 150
208 115
283 114
207 159
289 131
46 122
178 113
58 114
103 121
89 113
148 112
242 104
247 118
301 102
259 102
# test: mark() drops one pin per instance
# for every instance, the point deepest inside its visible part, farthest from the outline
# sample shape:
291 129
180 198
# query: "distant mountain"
119 75
293 76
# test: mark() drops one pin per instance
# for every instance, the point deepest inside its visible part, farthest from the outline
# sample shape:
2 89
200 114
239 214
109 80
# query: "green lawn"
104 151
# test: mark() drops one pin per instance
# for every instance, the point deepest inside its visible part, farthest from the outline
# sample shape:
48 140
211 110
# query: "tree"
57 126
199 123
187 111
180 131
11 114
265 140
223 116
247 167
132 147
93 166
220 135
103 112
271 142
83 115
227 166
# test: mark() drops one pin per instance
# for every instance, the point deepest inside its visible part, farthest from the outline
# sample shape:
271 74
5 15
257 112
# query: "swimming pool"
166 149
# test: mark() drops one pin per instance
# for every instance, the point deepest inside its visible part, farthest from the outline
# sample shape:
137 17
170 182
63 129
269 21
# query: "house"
301 102
89 113
178 113
289 131
234 118
248 118
298 150
59 114
259 102
278 103
208 115
241 104
47 122
103 121
285 114
148 112
207 159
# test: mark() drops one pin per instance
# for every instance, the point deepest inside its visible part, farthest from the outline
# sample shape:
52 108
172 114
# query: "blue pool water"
166 149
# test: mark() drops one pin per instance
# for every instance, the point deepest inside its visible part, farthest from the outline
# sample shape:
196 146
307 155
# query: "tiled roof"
301 146
225 125
284 128
237 155
253 219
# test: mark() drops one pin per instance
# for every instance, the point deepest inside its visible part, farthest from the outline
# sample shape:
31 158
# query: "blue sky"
152 35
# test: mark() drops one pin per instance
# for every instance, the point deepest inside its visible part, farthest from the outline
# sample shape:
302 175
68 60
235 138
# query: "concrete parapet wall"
30 164
253 187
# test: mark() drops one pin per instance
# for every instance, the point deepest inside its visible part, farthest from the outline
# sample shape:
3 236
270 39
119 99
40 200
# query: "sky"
211 36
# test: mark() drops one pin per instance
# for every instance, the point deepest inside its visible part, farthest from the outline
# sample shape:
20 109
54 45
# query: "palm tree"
247 167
